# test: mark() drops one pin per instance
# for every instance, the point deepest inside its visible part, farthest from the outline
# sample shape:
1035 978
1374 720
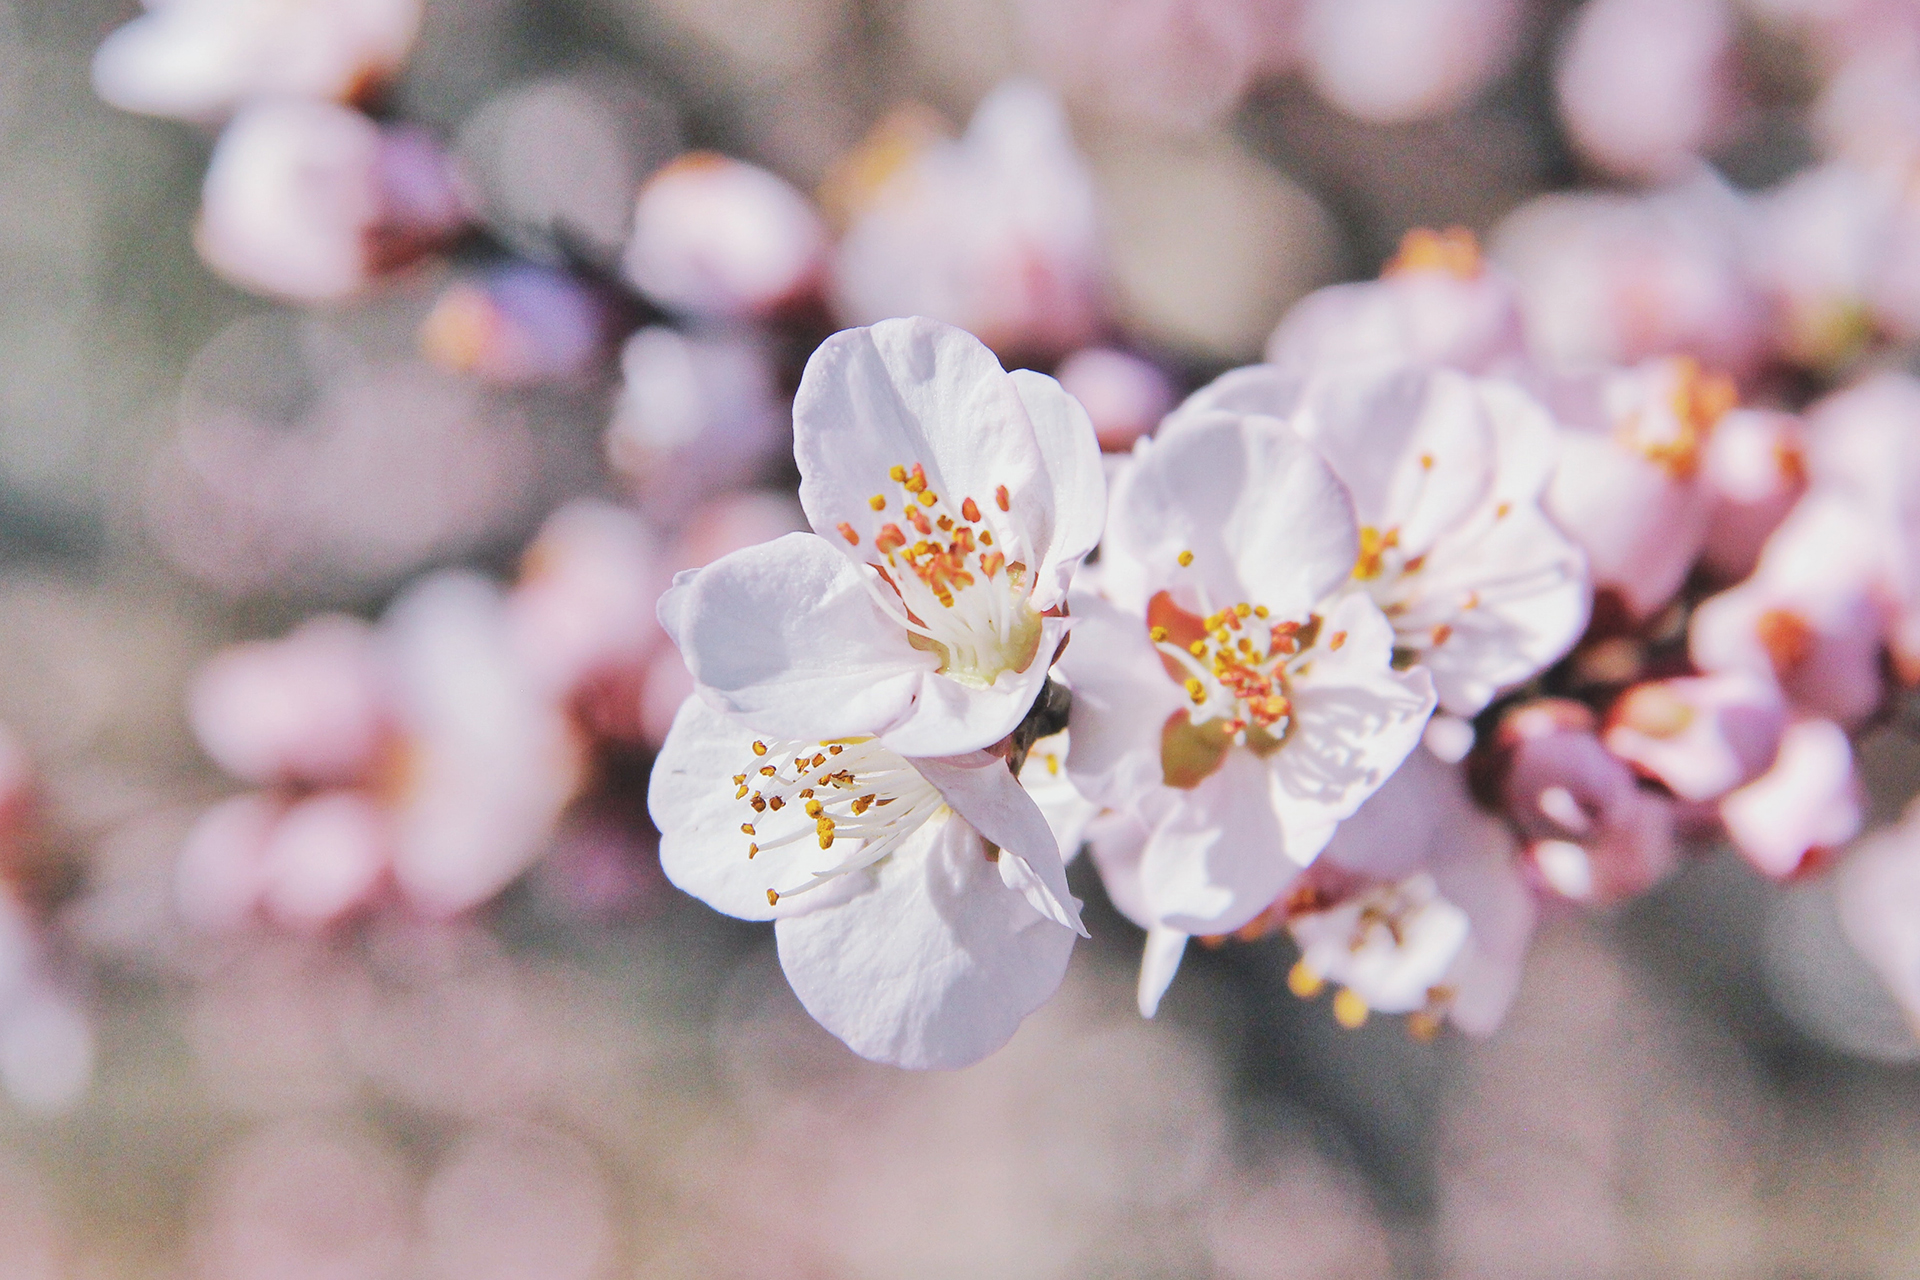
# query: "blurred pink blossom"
517 326
719 239
1125 395
1755 468
199 59
1796 815
1391 61
996 232
1645 86
1702 736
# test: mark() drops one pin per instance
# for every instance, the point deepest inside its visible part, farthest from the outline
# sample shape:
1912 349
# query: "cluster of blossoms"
1496 587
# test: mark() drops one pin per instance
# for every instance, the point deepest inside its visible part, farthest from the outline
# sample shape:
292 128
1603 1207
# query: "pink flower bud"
1701 736
1802 809
1124 395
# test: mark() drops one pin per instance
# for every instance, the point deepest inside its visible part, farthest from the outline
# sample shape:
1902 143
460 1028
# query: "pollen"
814 808
773 898
1001 498
897 474
847 532
746 829
986 537
928 497
759 748
1185 558
1198 648
1441 634
823 827
1196 690
1157 634
1349 1010
1242 610
1339 638
970 510
878 502
1303 981
751 850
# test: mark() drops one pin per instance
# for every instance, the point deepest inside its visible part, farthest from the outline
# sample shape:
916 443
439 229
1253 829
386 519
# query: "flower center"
953 588
1391 944
853 791
1234 665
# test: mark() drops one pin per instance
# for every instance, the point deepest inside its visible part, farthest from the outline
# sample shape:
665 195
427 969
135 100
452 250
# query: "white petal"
1122 697
1076 475
948 717
1158 963
1261 389
934 964
1265 517
1355 720
702 849
1217 856
787 635
1117 842
1414 447
917 391
983 791
1045 778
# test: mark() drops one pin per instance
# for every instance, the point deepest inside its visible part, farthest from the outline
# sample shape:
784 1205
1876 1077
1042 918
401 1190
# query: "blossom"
1702 736
1646 85
951 503
517 326
1416 907
1445 473
199 59
1124 395
310 200
1226 700
720 239
1808 805
1755 468
997 232
921 905
1437 302
1390 61
1627 486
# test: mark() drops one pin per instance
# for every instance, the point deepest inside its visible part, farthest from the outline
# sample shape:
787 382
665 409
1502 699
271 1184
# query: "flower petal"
1159 961
1075 474
1355 720
1218 857
702 849
917 391
982 790
1266 519
787 635
947 716
1256 389
1122 698
934 964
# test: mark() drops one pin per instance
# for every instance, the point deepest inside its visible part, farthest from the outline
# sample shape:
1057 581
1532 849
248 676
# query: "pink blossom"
583 605
996 232
1391 61
1590 833
1645 86
1437 302
1809 804
1627 486
1125 395
720 239
1702 736
310 201
515 327
1755 468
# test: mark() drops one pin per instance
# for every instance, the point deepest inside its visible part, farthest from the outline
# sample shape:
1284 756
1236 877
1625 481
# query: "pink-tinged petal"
1515 596
1424 317
1257 389
788 635
218 879
934 964
1640 528
1076 475
1485 881
492 759
1159 962
1117 843
1808 804
324 858
703 851
1122 699
908 392
1265 518
1355 720
1703 735
1877 890
947 716
1218 857
984 792
1755 468
1395 832
1414 447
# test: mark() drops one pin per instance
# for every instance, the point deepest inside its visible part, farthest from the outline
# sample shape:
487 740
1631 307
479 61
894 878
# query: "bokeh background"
593 1076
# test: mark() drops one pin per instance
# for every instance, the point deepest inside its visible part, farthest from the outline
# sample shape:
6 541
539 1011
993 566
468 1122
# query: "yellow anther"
1339 638
928 497
1243 608
878 502
1198 648
741 794
824 829
773 899
759 803
746 829
739 779
1185 558
751 850
767 771
759 748
970 510
861 804
814 808
897 474
1196 690
1426 462
986 537
1304 982
777 804
1157 634
1259 611
1349 1010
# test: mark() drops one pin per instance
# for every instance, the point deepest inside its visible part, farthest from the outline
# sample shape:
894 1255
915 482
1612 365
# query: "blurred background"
584 1074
